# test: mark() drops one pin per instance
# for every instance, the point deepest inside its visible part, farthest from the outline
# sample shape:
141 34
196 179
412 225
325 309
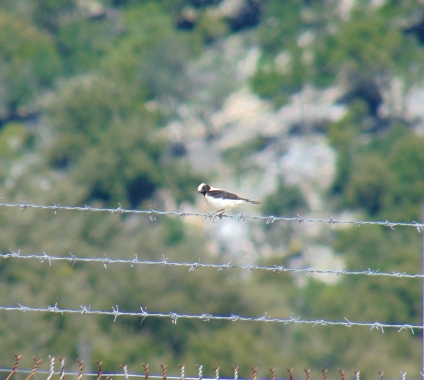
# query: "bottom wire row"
162 376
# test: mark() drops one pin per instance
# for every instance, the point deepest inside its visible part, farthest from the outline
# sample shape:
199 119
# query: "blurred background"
313 107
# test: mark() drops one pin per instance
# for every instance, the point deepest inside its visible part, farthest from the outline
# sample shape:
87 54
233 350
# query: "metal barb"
87 209
152 215
182 368
23 206
51 367
80 365
254 370
381 375
85 309
163 371
272 373
36 363
115 312
99 369
146 371
342 374
377 326
23 308
173 317
216 372
241 218
356 374
290 373
54 309
200 371
180 212
62 368
106 261
46 257
73 259
324 372
119 210
194 266
224 266
15 254
270 220
235 369
419 226
302 220
308 373
124 367
15 366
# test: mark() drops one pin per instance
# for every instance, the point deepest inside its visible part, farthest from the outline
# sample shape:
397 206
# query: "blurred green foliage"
79 124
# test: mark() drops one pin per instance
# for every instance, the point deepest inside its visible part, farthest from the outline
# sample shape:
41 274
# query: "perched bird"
221 200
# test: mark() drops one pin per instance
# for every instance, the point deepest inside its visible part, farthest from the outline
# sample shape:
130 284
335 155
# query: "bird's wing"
217 193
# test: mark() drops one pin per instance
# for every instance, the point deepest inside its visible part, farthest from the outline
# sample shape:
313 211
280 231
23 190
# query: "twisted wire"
72 259
95 374
209 317
213 216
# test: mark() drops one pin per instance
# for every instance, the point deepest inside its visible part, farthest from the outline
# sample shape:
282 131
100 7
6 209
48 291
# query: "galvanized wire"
72 259
213 216
209 317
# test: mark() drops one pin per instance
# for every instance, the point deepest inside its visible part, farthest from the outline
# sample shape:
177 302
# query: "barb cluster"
143 313
72 259
213 216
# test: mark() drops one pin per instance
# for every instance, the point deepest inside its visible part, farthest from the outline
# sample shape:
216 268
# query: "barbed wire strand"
72 259
95 374
213 216
209 317
170 377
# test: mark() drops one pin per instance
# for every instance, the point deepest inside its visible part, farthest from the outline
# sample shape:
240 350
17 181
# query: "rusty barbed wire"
290 371
208 317
146 371
162 376
23 206
80 367
72 259
15 366
34 370
99 373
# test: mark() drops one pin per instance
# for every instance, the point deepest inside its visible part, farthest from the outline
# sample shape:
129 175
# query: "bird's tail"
254 202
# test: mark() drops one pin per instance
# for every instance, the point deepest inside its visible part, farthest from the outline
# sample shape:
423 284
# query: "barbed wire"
213 216
209 317
164 376
72 259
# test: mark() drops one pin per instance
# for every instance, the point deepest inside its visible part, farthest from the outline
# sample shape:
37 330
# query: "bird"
220 200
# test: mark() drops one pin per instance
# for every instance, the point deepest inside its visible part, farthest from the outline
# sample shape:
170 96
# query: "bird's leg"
220 213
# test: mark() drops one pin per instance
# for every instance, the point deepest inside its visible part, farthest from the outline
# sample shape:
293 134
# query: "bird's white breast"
220 203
